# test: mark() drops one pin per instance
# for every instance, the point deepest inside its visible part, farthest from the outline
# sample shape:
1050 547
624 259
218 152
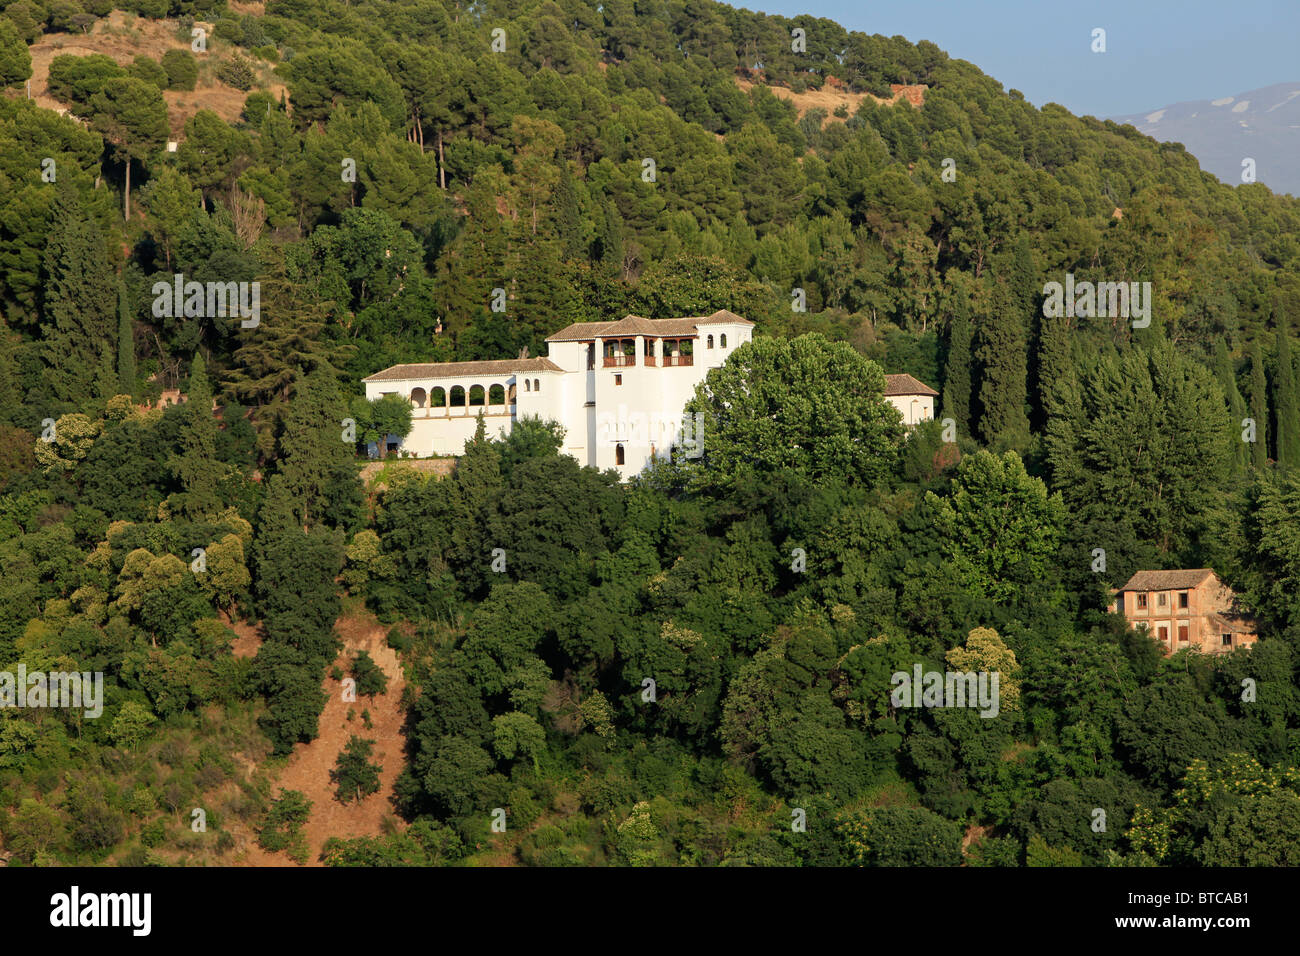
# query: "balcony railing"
619 361
678 360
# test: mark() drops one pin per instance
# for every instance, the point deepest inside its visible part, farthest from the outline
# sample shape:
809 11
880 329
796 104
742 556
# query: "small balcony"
619 361
670 360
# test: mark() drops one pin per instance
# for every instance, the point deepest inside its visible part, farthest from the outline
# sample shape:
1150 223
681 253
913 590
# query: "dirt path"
310 764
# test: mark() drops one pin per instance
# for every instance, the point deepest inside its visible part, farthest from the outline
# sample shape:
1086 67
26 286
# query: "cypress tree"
1259 406
197 466
1054 363
125 345
1001 353
1285 404
78 321
1227 376
956 386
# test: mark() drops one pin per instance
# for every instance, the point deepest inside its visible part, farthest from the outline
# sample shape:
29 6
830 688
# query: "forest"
388 165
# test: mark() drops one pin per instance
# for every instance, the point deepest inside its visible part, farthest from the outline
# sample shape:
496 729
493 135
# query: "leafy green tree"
808 405
370 677
354 776
902 836
132 116
15 61
281 828
999 528
182 69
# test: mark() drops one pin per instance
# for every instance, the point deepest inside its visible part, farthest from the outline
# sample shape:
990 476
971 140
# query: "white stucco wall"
643 413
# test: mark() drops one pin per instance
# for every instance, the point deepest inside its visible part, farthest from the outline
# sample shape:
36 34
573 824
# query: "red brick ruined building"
1185 610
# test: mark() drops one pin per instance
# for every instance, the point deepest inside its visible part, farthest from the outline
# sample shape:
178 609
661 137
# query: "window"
1164 634
1182 633
537 385
1162 599
618 454
1182 599
1142 602
527 386
722 340
1227 640
710 345
618 379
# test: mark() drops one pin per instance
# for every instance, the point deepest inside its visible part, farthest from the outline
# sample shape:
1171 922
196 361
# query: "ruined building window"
1142 601
1182 599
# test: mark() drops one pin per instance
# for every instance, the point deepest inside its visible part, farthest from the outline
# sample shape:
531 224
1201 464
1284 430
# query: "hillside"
124 37
671 667
1260 124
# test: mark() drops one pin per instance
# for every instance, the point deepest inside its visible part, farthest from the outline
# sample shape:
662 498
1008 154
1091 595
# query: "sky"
1158 52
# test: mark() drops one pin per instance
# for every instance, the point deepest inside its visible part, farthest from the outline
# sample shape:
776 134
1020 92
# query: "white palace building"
617 388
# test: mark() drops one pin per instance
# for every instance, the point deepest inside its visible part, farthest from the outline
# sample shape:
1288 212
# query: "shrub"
149 70
182 69
237 73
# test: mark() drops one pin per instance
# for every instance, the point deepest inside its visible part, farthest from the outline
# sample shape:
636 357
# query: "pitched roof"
636 325
1166 580
404 373
904 384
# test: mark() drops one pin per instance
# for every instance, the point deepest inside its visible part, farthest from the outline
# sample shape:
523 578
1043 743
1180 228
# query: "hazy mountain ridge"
1262 124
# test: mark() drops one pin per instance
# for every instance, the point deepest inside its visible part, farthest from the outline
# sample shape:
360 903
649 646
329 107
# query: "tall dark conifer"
125 344
1259 406
1285 403
956 373
79 317
1001 354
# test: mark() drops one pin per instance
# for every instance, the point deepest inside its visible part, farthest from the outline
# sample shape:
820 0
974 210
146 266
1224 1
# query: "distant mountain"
1263 125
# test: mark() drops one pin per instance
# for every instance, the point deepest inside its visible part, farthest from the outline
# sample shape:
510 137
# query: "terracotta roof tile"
1166 580
636 325
431 370
904 384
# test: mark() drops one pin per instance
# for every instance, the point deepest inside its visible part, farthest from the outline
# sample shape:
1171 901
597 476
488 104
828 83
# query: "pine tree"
197 466
1001 353
956 386
78 321
1286 404
125 345
1259 406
